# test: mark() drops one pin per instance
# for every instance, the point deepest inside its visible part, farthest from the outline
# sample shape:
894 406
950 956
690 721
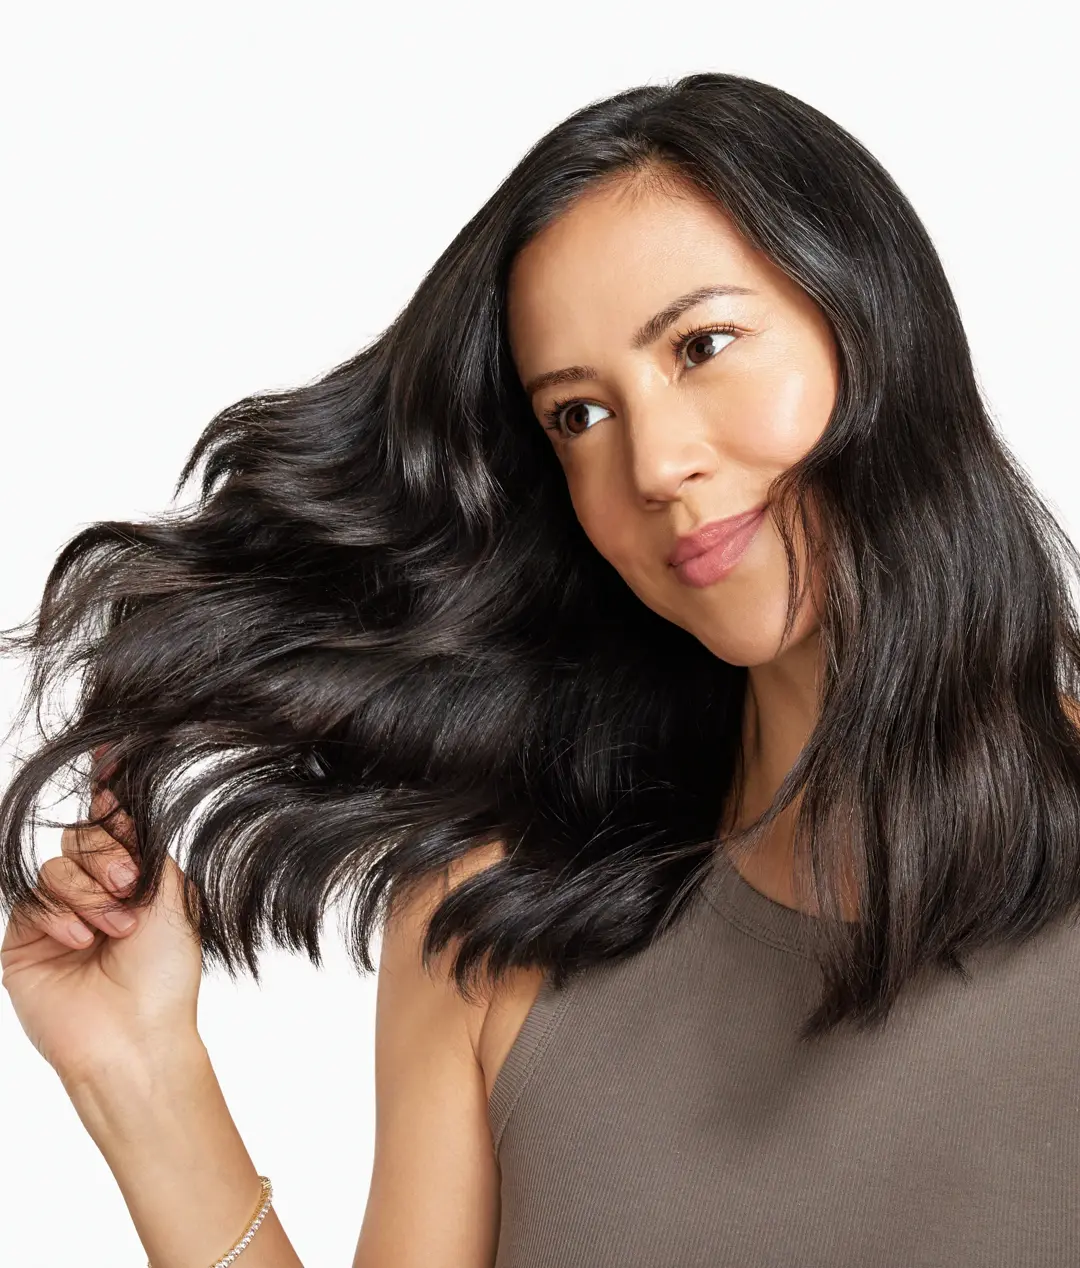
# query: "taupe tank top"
658 1112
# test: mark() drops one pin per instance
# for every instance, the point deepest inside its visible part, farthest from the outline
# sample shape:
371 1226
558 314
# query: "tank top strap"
532 1038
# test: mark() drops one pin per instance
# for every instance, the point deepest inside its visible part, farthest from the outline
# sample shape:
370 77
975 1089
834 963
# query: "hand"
85 1005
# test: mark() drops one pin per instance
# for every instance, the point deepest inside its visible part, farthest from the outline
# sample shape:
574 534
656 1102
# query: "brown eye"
576 418
571 418
703 346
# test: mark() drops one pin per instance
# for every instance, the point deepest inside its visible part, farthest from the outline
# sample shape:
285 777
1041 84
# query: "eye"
700 340
554 419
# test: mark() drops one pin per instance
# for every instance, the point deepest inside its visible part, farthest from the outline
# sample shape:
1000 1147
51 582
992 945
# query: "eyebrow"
650 331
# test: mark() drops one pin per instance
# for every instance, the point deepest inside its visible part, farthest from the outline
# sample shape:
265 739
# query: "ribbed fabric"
658 1112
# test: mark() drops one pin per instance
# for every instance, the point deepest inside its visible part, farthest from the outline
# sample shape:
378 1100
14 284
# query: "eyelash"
677 342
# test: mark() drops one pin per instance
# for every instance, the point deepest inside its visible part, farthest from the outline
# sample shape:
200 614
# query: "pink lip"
713 551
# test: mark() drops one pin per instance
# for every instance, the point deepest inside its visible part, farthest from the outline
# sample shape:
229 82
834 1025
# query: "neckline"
728 892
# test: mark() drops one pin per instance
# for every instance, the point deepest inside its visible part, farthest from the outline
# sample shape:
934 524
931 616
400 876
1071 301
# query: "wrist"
136 1076
160 1120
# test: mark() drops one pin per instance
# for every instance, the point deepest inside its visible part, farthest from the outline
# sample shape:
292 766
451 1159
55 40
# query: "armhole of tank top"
524 1055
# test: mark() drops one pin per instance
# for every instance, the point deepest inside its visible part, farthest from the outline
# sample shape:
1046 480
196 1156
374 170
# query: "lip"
711 535
713 550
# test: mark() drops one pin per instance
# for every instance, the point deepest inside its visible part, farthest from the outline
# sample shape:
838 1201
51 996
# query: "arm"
116 1018
162 1125
434 1196
165 1131
115 1015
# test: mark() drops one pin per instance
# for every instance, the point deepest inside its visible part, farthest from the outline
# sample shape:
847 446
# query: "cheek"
598 509
608 519
616 534
778 414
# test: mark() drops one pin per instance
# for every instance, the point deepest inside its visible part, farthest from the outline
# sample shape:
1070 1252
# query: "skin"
656 442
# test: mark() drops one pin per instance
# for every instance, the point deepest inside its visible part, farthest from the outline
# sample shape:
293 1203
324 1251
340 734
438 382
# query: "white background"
203 200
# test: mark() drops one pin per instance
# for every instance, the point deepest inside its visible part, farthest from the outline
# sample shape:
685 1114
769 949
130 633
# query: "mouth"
715 533
713 550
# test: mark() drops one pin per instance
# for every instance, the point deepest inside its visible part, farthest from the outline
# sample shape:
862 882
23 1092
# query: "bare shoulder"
406 925
493 1023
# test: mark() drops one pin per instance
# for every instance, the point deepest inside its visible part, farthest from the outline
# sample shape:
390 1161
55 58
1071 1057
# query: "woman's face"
657 441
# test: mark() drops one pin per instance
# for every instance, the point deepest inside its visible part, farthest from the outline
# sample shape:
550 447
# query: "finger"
114 819
102 801
27 926
99 854
97 755
85 898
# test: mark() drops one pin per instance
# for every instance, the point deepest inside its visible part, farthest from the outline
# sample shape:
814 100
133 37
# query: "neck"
779 714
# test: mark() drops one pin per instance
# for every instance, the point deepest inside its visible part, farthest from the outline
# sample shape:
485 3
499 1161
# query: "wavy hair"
379 638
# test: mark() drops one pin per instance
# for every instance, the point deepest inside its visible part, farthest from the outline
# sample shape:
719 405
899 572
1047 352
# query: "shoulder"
414 904
493 1022
405 929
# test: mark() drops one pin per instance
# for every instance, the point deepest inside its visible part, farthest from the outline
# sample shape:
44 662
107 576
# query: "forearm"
165 1131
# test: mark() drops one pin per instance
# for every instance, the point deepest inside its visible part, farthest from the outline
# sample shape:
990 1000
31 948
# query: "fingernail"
121 920
120 875
79 931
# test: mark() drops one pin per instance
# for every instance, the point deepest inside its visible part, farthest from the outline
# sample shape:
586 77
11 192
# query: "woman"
653 631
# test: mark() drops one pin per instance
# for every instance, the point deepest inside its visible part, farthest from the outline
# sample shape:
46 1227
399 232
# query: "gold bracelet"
266 1194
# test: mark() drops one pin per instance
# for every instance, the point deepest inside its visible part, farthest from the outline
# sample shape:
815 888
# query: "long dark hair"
380 639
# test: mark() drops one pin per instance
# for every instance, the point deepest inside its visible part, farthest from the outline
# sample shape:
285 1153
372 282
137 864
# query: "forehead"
618 253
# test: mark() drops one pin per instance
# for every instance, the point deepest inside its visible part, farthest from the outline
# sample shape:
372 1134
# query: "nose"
668 447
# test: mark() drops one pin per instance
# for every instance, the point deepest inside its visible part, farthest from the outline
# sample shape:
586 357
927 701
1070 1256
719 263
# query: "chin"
755 640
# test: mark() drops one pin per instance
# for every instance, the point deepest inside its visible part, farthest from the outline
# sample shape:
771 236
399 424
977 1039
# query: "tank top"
658 1112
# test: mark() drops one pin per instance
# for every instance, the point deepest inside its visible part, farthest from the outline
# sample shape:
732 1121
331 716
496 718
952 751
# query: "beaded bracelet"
267 1194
